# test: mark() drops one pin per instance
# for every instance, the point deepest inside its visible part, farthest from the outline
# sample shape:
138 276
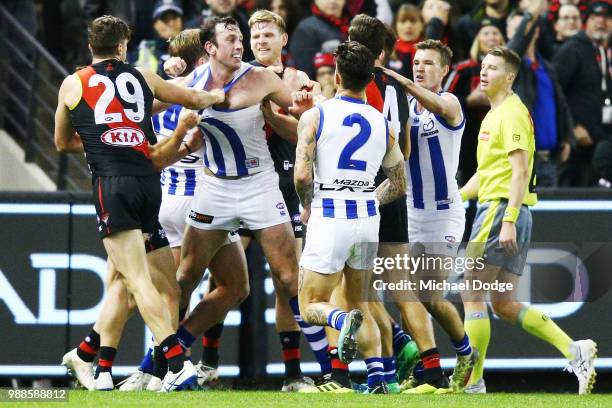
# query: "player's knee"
239 293
502 309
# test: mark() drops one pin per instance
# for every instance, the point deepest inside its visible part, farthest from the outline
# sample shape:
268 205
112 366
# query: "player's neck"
351 94
221 74
96 60
499 98
278 62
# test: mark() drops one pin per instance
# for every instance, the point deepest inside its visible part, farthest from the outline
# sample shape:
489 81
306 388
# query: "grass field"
256 399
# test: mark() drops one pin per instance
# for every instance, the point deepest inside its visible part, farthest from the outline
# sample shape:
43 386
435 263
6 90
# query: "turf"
256 399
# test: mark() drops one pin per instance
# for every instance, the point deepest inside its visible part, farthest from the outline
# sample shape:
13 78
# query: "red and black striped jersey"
113 118
387 95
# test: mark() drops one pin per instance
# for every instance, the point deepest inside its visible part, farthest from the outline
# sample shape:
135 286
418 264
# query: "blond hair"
188 46
476 53
267 16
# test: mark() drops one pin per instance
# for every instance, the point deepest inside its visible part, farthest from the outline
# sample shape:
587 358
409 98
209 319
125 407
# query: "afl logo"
123 136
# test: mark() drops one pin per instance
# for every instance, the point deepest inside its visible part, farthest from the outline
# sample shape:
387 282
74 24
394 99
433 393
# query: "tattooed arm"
304 159
393 165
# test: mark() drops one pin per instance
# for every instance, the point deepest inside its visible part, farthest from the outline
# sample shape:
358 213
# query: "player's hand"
405 82
218 94
302 101
266 109
174 66
564 152
583 138
189 118
305 216
507 238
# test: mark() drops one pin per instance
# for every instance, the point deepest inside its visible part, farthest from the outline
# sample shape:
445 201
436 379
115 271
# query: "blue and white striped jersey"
183 177
235 138
351 142
433 162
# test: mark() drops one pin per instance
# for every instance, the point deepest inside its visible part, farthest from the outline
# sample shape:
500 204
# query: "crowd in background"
565 79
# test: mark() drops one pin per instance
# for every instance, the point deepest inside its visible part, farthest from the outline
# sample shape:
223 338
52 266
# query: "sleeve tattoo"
395 185
304 157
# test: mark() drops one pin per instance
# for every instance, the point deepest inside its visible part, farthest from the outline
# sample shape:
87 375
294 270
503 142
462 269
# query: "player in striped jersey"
180 157
436 218
345 141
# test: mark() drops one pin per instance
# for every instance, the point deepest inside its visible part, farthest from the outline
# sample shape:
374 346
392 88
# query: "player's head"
431 63
222 41
498 70
390 40
354 66
188 47
368 31
488 36
268 36
108 37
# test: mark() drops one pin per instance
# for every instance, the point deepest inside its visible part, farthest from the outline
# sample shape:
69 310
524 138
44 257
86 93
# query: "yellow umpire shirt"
506 128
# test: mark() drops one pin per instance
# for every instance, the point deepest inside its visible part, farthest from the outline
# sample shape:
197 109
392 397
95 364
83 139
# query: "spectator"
289 10
582 5
377 8
167 23
326 68
222 8
567 23
329 23
468 25
464 82
409 26
437 15
136 13
539 89
583 67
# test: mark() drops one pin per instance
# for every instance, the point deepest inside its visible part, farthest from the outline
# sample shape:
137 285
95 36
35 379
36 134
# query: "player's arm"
190 98
296 104
393 166
283 125
66 138
174 148
470 190
159 106
445 105
304 159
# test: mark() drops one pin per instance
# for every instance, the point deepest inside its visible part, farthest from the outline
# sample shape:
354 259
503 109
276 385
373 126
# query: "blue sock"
336 319
462 347
419 371
315 335
184 337
400 338
376 373
146 365
389 366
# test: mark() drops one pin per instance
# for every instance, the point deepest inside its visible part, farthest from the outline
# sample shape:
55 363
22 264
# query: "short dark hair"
390 40
446 55
105 34
368 31
355 64
187 45
510 57
208 28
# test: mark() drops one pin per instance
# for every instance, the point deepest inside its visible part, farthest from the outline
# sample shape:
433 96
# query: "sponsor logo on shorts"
484 136
450 238
516 138
287 165
161 233
203 218
296 219
123 137
251 162
298 228
283 213
280 206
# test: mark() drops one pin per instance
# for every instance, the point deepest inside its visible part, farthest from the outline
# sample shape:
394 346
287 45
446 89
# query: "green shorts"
484 240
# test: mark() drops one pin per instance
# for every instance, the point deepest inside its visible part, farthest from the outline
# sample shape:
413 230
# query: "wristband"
187 147
511 215
463 196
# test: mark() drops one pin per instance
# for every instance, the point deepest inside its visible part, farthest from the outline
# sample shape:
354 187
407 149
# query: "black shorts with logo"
129 202
292 201
394 221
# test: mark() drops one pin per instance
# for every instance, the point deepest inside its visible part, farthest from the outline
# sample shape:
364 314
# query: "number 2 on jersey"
346 162
135 97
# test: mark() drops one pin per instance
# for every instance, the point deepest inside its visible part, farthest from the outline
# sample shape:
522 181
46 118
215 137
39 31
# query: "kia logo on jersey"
123 136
